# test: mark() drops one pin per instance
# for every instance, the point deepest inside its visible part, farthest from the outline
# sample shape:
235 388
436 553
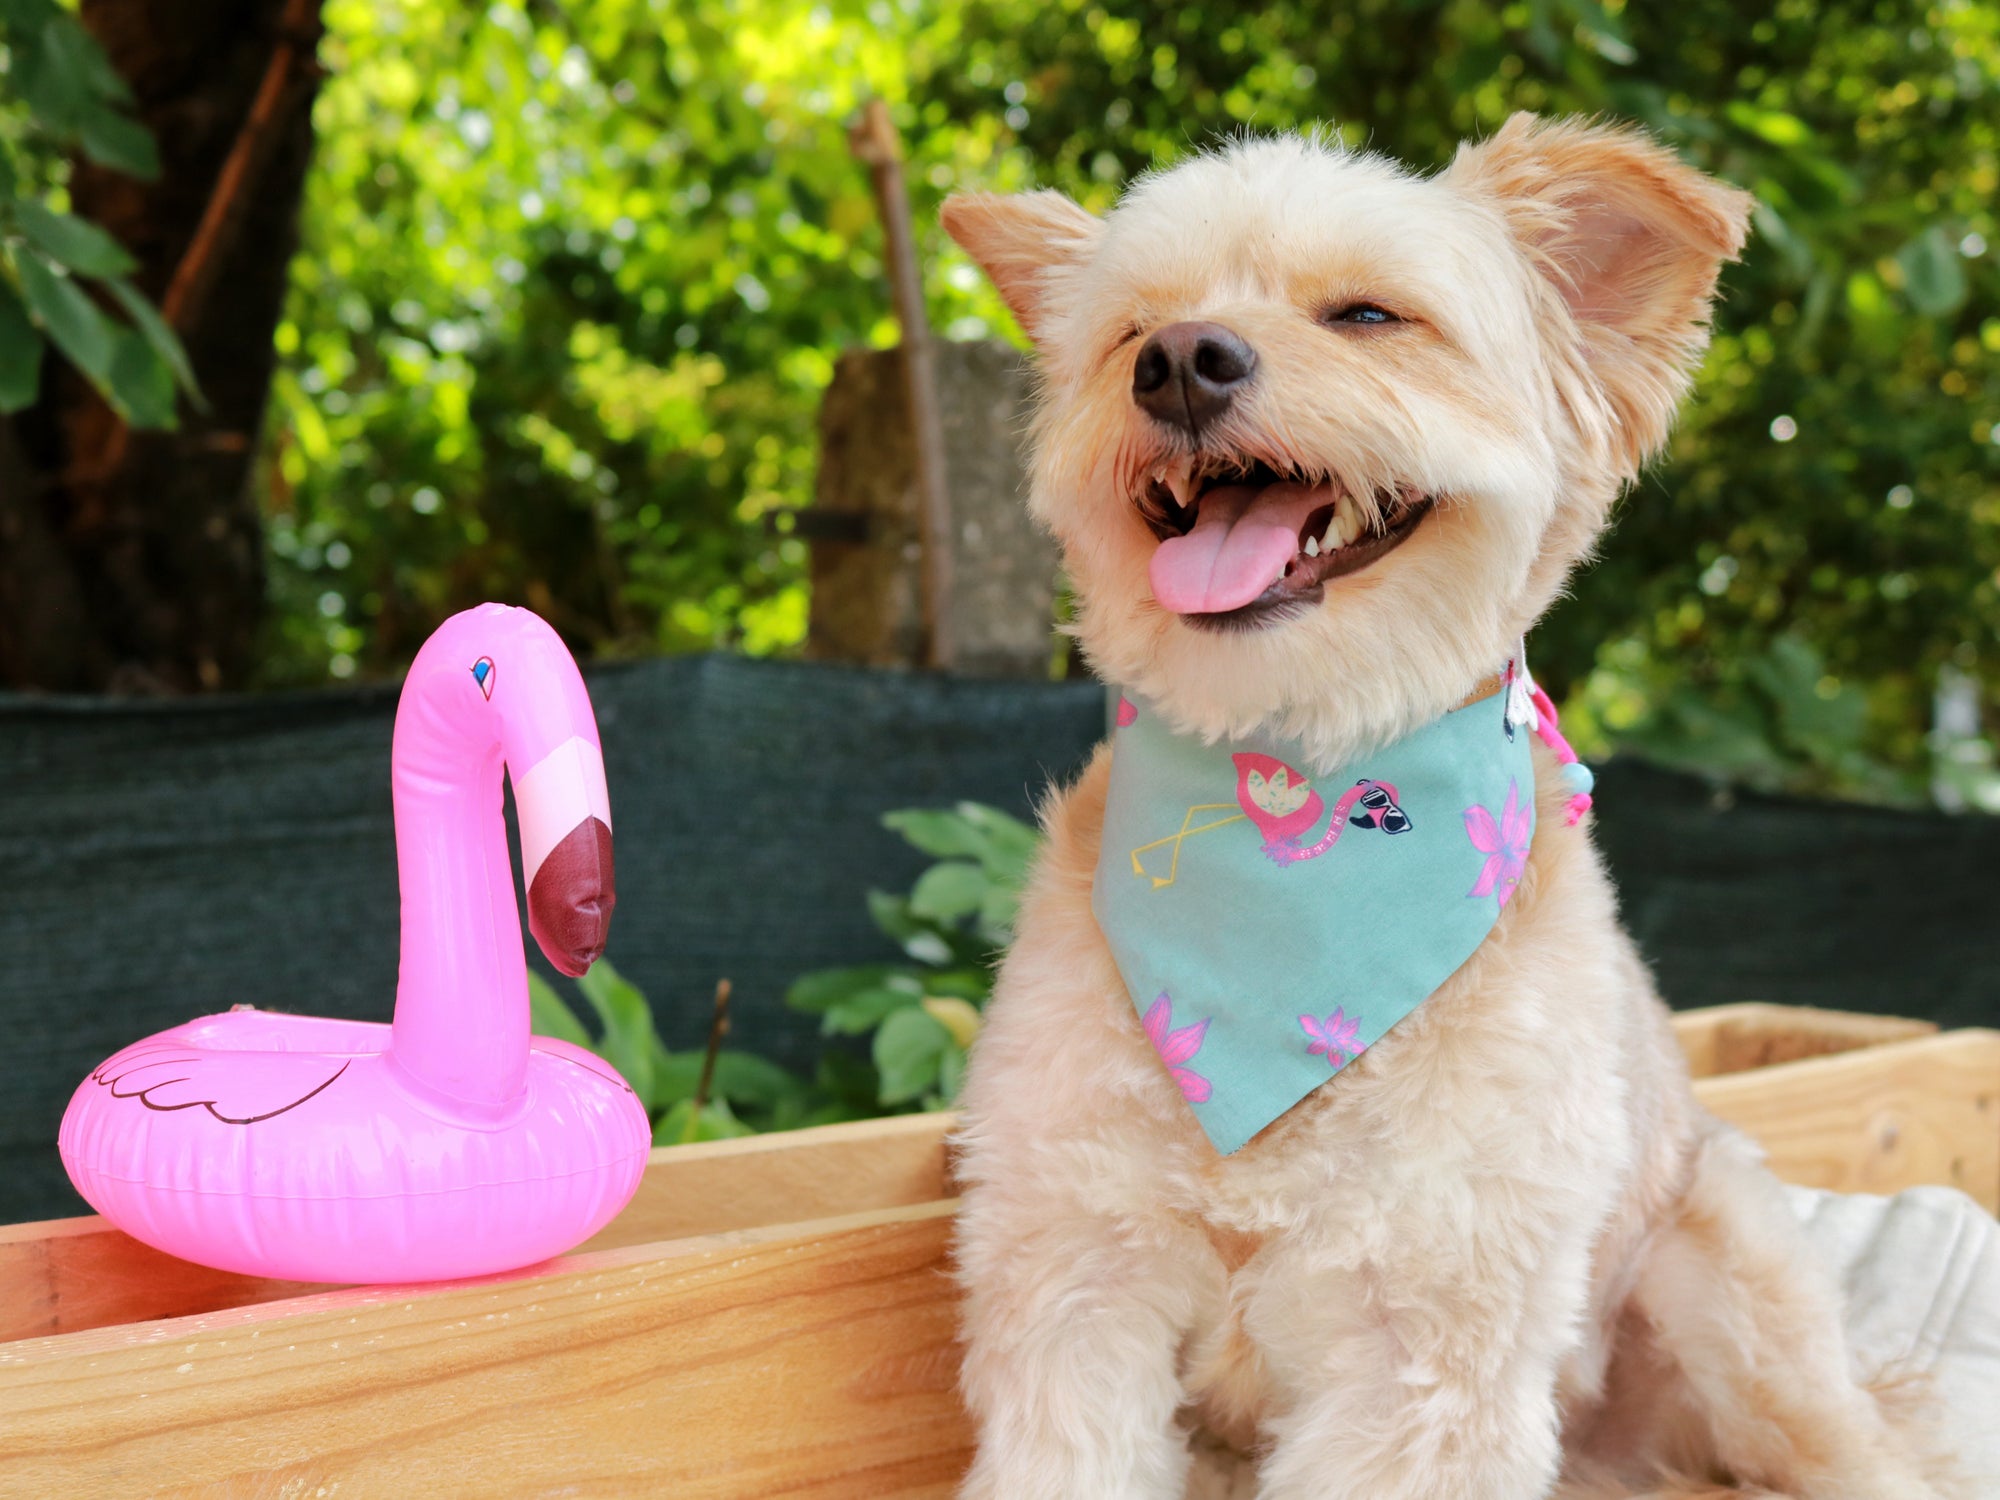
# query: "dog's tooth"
1312 546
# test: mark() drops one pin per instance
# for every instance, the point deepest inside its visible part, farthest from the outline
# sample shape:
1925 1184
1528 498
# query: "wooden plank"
67 1275
804 1361
1878 1119
1733 1038
775 1179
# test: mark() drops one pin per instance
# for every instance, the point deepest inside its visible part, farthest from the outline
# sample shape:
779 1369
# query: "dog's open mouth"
1244 545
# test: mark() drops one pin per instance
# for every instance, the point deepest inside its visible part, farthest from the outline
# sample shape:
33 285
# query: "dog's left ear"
1020 240
1632 240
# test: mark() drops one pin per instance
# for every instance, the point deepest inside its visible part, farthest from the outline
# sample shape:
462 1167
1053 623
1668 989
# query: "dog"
1501 1253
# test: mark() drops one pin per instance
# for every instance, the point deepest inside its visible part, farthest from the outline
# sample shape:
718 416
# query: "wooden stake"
873 141
718 1028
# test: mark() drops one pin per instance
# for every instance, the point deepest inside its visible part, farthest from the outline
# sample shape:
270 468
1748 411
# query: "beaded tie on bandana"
1529 705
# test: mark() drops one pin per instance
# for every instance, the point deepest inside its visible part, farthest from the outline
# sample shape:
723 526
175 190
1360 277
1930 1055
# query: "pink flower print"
1128 712
1504 842
1177 1047
1337 1038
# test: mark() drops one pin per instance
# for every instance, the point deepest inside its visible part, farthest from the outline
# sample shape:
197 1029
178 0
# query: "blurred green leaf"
111 140
69 318
1604 32
951 1074
997 910
629 1039
74 52
908 1052
815 993
1933 274
1773 125
20 352
948 891
865 1009
549 1016
72 242
920 939
154 329
680 1125
964 983
138 382
947 835
1010 843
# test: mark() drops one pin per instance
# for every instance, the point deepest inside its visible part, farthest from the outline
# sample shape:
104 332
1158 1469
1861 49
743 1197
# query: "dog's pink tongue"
1243 537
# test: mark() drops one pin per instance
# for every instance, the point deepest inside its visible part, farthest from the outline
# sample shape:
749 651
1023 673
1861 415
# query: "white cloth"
1921 1272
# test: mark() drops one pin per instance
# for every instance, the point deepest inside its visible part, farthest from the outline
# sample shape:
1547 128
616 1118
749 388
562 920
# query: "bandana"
1272 925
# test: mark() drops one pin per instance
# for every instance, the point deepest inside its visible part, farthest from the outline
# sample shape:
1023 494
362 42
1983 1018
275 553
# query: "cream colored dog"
1504 1254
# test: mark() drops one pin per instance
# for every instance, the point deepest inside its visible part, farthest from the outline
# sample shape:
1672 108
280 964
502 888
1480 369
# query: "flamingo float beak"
571 897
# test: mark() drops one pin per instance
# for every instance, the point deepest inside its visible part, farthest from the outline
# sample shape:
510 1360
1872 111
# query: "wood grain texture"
805 1361
63 1275
68 1275
1879 1119
1734 1038
775 1179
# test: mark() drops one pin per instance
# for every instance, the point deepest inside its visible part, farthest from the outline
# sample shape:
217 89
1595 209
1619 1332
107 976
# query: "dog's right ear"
1019 239
1631 238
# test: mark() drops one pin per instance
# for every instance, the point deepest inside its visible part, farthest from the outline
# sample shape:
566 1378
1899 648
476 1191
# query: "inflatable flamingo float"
451 1142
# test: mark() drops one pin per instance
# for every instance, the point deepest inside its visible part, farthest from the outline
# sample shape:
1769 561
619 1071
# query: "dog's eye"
1364 314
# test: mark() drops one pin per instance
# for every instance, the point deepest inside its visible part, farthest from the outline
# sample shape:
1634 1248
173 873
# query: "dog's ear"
1018 239
1631 238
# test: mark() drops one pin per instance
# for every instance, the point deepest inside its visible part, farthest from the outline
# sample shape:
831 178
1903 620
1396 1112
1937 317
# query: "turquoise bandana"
1271 926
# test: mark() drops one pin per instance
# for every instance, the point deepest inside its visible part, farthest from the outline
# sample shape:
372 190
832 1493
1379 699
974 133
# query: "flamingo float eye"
482 673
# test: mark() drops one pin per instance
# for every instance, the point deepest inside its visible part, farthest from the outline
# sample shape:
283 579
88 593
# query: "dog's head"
1321 438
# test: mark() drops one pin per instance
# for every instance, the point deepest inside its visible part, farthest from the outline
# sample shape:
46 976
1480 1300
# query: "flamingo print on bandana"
1177 1047
1504 842
1281 802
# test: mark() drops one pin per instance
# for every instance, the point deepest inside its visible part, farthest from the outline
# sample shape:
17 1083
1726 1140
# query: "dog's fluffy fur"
1504 1254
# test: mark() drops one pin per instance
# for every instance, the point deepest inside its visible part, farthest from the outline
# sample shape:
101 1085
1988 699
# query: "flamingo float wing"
237 1088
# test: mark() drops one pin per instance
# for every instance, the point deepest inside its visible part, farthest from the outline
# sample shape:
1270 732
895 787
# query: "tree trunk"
136 564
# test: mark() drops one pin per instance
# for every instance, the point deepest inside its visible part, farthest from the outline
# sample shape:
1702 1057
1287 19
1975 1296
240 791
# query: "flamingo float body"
449 1143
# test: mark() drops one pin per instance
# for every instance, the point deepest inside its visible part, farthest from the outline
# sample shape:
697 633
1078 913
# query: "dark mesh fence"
159 861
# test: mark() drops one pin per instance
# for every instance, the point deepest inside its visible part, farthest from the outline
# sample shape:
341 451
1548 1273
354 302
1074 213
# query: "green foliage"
746 1093
574 277
923 1015
953 926
58 92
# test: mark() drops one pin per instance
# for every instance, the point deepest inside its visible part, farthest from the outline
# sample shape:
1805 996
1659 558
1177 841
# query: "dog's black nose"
1188 373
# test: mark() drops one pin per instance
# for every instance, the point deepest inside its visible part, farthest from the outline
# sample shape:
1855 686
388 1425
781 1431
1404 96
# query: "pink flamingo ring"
449 1143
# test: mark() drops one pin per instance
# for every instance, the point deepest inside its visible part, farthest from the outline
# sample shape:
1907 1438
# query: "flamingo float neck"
493 687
